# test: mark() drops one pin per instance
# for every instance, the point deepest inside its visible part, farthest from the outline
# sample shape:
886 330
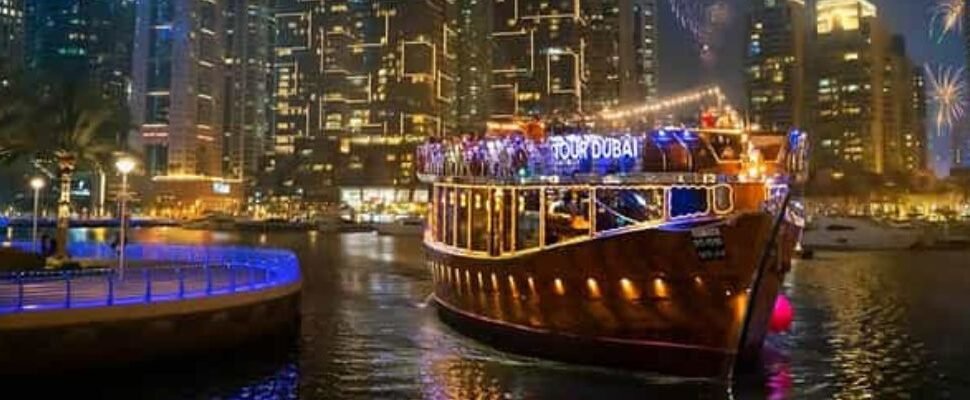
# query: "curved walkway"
185 272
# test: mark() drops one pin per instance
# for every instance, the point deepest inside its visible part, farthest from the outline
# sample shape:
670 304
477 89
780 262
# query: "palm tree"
62 123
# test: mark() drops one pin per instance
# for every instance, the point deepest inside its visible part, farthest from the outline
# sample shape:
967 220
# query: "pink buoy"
782 315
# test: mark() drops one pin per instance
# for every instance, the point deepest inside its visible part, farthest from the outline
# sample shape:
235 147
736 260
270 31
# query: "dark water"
867 325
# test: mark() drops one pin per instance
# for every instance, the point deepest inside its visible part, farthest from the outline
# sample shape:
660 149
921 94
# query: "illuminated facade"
473 23
388 83
78 37
902 92
11 34
849 130
178 87
249 25
562 60
295 104
916 143
776 64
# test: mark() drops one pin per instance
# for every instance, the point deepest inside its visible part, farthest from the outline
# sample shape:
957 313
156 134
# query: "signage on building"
221 188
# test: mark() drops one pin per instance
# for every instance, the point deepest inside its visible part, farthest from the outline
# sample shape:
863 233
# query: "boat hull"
643 300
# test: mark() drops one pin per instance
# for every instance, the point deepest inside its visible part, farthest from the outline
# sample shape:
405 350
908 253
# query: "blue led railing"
175 273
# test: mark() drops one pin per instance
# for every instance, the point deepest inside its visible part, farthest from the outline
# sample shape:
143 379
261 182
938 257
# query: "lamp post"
37 184
124 165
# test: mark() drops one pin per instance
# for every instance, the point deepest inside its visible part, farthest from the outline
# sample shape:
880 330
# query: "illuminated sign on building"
583 147
221 188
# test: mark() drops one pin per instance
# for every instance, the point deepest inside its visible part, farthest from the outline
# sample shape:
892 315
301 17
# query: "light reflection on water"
881 325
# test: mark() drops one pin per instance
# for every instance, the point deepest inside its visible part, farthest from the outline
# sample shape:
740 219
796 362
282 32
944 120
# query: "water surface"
867 325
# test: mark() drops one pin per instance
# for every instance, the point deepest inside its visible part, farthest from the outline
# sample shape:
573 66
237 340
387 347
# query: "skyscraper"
87 39
849 131
388 84
178 86
473 22
868 102
11 35
296 98
905 134
565 60
249 26
915 142
775 62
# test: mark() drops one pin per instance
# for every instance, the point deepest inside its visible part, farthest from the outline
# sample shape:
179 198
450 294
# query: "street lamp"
124 165
37 183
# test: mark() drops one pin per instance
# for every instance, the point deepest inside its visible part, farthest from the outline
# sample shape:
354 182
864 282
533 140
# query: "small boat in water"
406 226
212 222
860 233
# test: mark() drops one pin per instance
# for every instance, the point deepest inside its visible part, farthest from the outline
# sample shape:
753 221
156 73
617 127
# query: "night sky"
683 68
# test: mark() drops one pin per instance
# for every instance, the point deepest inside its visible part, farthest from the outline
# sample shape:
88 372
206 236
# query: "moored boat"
405 226
861 234
662 251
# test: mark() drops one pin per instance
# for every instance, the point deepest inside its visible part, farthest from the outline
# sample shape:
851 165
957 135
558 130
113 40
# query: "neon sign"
583 147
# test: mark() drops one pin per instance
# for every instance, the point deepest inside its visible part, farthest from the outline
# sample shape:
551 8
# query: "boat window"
727 147
450 200
502 217
621 208
527 219
434 215
463 219
479 205
688 202
839 228
723 199
567 214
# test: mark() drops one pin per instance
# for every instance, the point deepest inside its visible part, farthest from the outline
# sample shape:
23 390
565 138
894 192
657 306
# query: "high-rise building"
178 86
564 60
903 125
296 99
916 143
775 62
178 80
11 35
89 39
388 83
248 61
849 128
868 102
473 21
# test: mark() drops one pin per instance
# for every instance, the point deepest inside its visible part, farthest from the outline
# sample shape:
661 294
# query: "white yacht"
852 233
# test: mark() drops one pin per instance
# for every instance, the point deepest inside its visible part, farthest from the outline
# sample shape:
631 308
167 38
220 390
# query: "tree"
62 123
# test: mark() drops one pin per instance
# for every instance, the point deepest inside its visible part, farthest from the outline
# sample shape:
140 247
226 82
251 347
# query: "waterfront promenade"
181 299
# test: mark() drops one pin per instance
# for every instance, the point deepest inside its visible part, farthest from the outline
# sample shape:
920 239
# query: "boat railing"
489 221
665 150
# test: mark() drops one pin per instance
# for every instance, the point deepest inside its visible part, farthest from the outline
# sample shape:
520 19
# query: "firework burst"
704 20
946 17
948 93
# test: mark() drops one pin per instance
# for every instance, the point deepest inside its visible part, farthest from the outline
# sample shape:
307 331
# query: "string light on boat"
660 288
665 104
630 291
513 287
560 288
594 288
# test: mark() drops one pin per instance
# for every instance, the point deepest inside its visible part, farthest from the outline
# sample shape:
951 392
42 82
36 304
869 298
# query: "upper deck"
662 156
